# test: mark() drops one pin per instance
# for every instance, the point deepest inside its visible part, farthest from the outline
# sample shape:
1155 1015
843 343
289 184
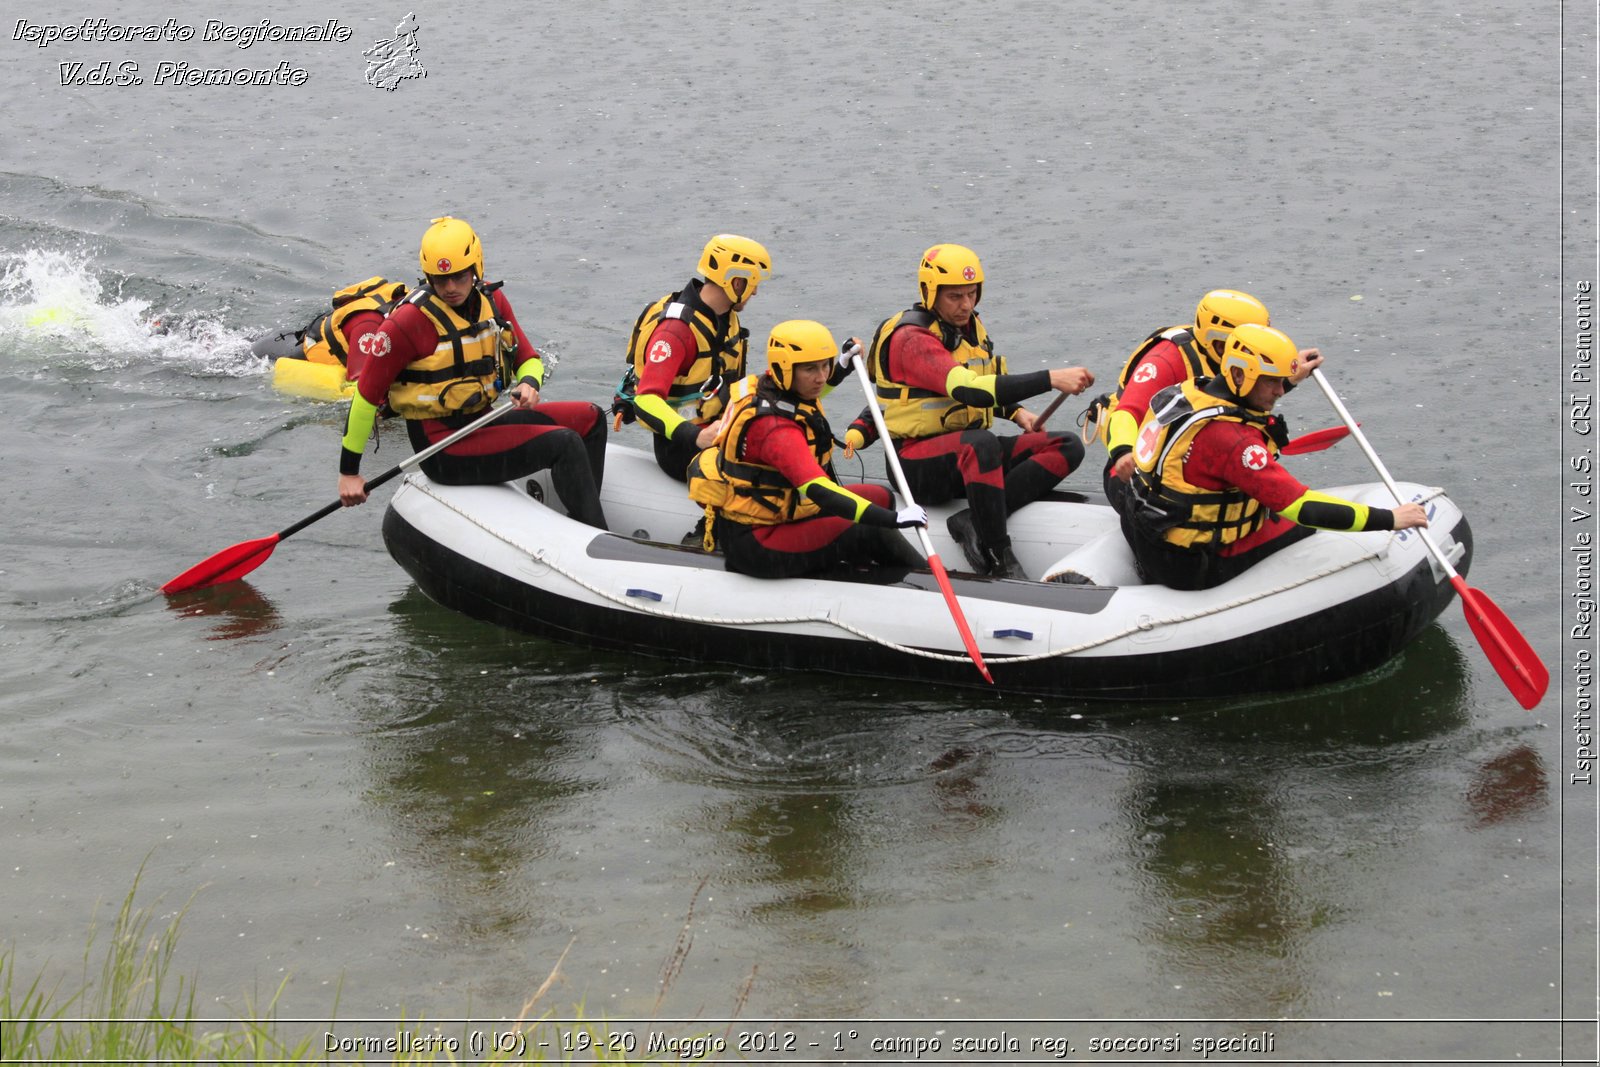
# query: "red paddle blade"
1315 441
225 566
1519 667
960 617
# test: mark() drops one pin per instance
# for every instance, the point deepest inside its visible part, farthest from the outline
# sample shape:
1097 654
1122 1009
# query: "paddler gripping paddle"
240 559
1523 673
858 360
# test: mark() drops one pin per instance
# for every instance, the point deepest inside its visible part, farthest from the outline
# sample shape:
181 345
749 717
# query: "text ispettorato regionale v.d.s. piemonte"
174 73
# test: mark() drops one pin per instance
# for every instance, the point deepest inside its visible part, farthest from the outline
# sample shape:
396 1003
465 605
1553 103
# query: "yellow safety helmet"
1259 352
450 245
1222 311
728 256
948 265
797 341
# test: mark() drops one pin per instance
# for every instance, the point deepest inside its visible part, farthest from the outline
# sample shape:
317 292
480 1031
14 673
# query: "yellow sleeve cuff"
656 413
532 368
358 423
835 498
963 379
1327 512
1121 430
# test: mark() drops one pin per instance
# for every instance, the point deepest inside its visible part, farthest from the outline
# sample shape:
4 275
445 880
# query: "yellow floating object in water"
53 317
315 381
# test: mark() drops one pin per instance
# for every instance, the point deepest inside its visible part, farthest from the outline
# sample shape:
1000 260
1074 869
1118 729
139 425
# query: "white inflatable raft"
1332 606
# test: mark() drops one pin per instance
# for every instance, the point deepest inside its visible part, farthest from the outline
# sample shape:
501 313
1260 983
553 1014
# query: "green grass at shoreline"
131 1009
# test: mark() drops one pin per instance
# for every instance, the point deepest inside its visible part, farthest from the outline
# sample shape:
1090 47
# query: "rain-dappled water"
378 803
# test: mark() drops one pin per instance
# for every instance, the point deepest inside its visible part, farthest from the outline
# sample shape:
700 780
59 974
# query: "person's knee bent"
983 448
1072 450
877 494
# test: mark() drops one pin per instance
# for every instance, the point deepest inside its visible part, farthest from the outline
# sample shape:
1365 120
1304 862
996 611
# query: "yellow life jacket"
719 353
462 373
727 484
323 340
1183 338
1181 513
1104 406
909 412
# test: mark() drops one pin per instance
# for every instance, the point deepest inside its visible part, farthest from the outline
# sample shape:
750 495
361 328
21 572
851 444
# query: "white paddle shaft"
1377 465
893 461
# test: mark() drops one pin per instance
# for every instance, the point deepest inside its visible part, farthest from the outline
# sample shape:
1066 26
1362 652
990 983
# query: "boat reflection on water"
553 793
1255 831
843 836
527 781
1422 693
472 758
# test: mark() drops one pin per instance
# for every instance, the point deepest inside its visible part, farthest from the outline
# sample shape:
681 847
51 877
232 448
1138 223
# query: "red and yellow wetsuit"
1209 498
440 367
682 353
941 389
771 502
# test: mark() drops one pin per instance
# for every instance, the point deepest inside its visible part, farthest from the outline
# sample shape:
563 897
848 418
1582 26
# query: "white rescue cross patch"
374 345
659 352
1255 457
1145 372
1144 449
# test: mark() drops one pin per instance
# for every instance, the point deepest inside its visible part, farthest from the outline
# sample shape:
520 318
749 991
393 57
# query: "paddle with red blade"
239 560
934 563
1519 667
1315 441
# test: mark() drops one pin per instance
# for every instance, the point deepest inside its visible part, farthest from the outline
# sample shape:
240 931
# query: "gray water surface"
378 803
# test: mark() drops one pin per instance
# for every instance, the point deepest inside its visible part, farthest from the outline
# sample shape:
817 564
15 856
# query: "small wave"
56 307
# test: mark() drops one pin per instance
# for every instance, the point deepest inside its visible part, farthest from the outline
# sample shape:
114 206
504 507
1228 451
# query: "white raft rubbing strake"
631 599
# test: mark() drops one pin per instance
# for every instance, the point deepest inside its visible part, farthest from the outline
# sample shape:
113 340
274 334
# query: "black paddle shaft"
399 468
